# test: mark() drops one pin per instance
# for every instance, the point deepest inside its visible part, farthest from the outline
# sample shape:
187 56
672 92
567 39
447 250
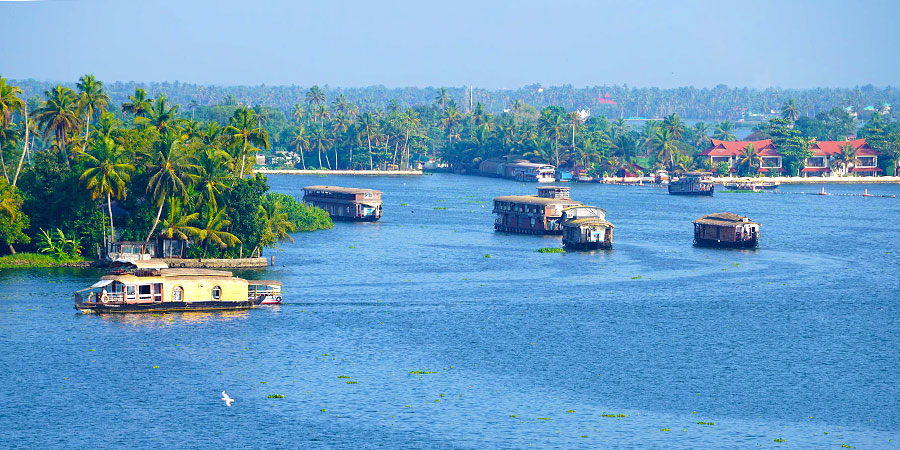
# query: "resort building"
825 155
729 152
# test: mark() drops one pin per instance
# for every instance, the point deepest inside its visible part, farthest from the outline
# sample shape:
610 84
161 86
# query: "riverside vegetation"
72 166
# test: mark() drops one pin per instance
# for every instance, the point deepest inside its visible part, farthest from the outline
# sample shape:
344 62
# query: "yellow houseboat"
150 286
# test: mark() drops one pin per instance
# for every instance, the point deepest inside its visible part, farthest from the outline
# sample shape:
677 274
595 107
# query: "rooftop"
344 190
724 219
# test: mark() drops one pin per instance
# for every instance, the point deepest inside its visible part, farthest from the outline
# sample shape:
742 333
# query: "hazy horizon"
489 45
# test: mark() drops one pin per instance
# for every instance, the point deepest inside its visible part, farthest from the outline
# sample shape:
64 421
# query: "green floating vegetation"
343 376
351 382
274 396
550 250
778 439
543 418
420 372
404 204
637 277
488 255
665 429
706 423
613 415
440 207
570 411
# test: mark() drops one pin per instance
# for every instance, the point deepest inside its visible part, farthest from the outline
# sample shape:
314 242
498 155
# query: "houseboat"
586 228
533 214
693 183
517 169
150 286
743 184
350 204
726 230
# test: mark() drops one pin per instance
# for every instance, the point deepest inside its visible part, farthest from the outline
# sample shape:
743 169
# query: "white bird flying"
228 400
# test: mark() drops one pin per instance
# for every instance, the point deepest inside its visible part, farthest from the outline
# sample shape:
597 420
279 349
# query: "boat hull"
725 244
355 219
99 307
508 229
587 246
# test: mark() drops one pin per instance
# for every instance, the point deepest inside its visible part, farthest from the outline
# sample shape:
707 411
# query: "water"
443 347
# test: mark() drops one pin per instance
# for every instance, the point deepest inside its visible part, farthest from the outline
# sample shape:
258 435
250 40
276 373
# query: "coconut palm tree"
790 111
298 112
91 100
301 141
315 96
209 174
339 126
748 160
106 174
276 224
553 126
725 131
212 223
368 120
169 170
663 143
10 103
673 124
846 158
702 131
161 116
442 98
177 225
244 131
319 140
449 120
138 104
58 114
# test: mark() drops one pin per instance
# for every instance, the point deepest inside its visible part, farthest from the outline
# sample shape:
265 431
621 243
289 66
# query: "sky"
487 44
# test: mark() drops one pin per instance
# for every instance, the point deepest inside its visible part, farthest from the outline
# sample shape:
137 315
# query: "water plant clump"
420 372
550 250
274 396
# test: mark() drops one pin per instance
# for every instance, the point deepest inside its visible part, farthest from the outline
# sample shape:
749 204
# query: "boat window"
178 294
216 292
129 290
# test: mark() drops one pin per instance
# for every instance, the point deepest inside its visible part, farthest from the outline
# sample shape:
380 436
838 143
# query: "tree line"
96 171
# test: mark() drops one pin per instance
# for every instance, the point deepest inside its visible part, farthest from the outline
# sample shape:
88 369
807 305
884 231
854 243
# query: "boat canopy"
101 283
264 282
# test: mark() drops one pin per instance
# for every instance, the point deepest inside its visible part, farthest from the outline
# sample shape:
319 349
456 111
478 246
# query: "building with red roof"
729 152
824 155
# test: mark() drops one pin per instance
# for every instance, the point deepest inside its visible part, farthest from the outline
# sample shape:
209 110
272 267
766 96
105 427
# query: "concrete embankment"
338 172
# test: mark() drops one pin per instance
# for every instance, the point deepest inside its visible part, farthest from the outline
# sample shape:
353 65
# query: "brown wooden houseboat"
341 203
693 183
726 230
586 228
533 214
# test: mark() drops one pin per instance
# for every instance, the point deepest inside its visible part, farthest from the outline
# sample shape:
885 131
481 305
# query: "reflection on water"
173 318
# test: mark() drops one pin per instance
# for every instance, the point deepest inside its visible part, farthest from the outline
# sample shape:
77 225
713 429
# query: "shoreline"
371 173
781 180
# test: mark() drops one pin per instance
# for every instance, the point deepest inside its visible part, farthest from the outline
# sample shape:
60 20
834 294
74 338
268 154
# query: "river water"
429 329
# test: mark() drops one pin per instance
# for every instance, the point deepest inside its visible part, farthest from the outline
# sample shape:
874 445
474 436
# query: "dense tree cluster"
78 164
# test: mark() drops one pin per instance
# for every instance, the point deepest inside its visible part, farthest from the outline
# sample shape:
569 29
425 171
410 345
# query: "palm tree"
725 131
245 131
315 96
276 224
846 158
161 116
212 223
320 140
91 99
674 126
177 225
449 120
106 174
552 125
442 98
10 103
339 126
169 172
58 114
298 112
210 175
409 122
138 104
301 140
790 111
368 120
702 131
748 159
664 145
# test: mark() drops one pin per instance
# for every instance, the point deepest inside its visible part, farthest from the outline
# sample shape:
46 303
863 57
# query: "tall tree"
244 131
725 131
845 159
748 160
169 171
91 99
10 103
106 174
212 225
449 120
790 111
442 98
138 104
58 114
315 97
276 224
300 141
161 116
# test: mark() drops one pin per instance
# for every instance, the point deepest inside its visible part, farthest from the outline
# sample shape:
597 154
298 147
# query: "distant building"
824 155
729 152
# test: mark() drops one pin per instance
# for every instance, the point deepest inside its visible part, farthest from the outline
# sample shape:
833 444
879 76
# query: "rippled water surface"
429 329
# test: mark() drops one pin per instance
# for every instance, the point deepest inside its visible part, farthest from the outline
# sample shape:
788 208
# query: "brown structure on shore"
341 203
533 214
726 230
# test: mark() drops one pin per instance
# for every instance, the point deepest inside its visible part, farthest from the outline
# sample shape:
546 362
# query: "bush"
304 217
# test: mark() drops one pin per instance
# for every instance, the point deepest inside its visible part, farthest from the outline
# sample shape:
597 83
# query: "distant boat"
751 185
726 230
586 228
692 183
341 203
533 214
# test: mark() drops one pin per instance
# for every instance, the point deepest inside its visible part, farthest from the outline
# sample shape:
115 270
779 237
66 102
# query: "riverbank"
379 173
781 180
32 260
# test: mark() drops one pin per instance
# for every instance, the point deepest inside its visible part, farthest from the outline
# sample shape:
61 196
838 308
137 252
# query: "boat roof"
345 190
587 221
176 272
265 282
535 200
724 219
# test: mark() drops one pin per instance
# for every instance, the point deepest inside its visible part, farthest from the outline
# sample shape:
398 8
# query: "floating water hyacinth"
778 440
543 418
665 429
420 372
706 423
550 250
440 207
488 255
343 376
274 396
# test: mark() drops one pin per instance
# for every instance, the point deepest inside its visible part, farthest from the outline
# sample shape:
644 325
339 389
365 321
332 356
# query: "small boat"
726 230
750 185
693 183
341 203
586 228
585 178
151 286
268 292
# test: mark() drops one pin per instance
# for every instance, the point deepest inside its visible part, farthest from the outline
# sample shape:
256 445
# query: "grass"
550 250
26 260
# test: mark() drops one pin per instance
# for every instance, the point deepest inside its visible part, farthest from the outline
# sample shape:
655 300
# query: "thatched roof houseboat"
693 183
726 230
341 203
586 228
533 214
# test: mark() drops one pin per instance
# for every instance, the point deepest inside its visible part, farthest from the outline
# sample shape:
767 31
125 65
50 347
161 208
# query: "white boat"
265 292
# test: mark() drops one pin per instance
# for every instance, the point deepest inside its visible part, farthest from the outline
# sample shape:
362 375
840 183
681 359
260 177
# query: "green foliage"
59 246
13 221
26 260
304 217
550 250
243 200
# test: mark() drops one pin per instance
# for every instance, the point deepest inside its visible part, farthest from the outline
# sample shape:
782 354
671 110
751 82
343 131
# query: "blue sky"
490 44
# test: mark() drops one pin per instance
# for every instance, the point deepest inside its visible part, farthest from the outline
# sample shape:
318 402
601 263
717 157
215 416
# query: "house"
824 155
729 152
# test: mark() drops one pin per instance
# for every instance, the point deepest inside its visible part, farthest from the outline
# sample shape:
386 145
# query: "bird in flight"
228 400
